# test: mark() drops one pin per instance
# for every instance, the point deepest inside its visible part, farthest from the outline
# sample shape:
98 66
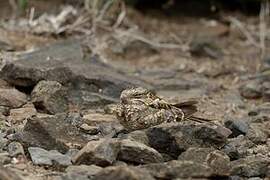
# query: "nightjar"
140 108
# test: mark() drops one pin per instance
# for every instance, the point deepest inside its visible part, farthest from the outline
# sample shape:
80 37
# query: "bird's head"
135 93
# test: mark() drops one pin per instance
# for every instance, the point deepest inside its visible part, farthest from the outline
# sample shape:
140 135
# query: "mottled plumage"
139 108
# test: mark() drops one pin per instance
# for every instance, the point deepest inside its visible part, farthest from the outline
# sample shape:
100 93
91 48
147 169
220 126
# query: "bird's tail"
197 119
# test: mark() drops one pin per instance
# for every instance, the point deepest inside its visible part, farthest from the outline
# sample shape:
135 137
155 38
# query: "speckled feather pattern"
141 109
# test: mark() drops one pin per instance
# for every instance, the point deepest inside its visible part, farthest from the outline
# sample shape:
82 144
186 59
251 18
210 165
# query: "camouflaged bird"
140 108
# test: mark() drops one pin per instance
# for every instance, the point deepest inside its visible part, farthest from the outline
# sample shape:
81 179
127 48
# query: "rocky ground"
57 91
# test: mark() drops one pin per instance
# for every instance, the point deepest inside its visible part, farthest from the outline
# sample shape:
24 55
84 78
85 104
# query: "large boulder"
51 132
90 82
175 138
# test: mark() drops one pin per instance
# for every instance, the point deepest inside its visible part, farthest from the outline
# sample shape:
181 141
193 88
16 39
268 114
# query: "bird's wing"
188 107
185 103
197 119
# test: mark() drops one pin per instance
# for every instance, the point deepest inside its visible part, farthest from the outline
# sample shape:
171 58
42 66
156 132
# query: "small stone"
103 153
12 98
237 126
258 133
215 159
251 166
238 147
135 152
178 169
72 152
15 149
138 136
205 47
82 171
21 114
40 156
50 97
92 130
123 173
108 125
251 90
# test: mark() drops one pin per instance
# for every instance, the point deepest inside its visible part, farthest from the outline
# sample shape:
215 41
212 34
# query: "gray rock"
123 173
215 159
93 130
135 152
251 166
108 125
12 98
72 152
84 169
20 114
238 147
258 133
89 81
51 132
237 126
103 152
15 149
251 90
81 172
138 136
175 138
205 47
50 97
178 169
40 156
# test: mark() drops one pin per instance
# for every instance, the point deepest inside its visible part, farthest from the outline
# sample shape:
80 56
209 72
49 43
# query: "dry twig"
244 30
